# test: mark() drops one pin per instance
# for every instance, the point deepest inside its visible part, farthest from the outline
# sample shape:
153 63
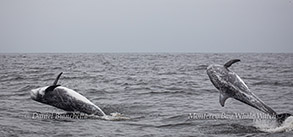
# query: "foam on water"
271 126
114 117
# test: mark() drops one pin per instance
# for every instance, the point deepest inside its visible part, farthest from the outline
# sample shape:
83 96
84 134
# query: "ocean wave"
229 129
175 125
155 90
274 83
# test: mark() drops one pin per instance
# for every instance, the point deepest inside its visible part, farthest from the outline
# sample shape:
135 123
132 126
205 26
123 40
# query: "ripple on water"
156 91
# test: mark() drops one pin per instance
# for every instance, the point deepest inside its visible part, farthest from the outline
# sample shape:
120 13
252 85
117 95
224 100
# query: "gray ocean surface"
162 94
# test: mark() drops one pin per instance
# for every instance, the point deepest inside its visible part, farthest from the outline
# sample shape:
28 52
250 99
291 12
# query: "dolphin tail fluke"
57 78
282 117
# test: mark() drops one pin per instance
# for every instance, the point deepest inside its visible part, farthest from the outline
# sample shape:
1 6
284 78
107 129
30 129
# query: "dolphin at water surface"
231 85
65 99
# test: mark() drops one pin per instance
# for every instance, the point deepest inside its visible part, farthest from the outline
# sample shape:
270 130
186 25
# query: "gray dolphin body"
231 85
65 99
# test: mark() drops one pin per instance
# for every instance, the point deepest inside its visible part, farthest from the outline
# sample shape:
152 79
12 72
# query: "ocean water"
162 94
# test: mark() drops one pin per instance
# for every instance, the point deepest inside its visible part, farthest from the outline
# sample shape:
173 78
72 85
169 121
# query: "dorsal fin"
229 63
56 80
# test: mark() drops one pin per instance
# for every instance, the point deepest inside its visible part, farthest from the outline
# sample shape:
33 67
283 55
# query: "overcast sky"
146 26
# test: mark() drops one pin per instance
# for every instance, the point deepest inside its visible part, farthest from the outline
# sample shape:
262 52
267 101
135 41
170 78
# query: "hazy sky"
146 26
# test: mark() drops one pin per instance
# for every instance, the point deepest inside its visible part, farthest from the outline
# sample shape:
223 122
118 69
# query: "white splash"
272 126
112 117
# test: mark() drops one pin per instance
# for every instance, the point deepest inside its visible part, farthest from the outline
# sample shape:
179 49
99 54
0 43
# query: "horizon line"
145 52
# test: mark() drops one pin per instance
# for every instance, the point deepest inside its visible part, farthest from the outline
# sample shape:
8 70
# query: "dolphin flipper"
51 88
223 98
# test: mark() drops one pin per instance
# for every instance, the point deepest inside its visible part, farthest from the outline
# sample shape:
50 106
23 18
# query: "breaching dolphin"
231 85
65 99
